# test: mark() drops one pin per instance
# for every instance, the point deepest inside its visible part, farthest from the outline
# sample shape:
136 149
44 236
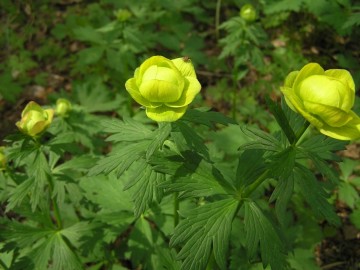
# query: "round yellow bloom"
325 99
34 119
63 107
164 87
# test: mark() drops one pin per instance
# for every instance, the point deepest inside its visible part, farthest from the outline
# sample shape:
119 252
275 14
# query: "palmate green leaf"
94 96
56 253
144 184
121 159
260 230
148 249
315 194
19 193
323 146
281 168
206 117
348 194
204 227
193 140
259 140
161 134
23 235
77 163
127 130
319 149
295 120
251 165
38 172
192 176
281 119
107 192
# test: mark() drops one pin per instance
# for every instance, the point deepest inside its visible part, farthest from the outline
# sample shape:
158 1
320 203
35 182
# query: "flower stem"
176 208
55 206
217 19
301 132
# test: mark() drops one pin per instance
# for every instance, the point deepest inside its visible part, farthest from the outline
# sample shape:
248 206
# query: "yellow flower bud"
164 87
325 99
2 159
34 119
63 107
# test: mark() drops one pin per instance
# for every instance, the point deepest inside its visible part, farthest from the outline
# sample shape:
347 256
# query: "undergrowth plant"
83 191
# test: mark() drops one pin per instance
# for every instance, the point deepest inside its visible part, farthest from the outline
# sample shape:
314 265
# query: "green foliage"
105 188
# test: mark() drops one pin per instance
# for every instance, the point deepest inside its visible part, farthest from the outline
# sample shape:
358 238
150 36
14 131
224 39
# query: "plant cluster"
129 167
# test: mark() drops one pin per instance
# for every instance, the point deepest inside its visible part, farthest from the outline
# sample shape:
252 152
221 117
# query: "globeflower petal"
332 116
165 113
295 102
306 71
132 89
323 90
192 88
290 79
350 131
31 106
343 76
159 61
185 67
161 84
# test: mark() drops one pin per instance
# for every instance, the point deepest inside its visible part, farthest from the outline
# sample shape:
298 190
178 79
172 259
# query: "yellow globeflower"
325 99
164 87
34 119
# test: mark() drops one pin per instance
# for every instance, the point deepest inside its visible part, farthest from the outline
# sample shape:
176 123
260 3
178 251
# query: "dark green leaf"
203 227
206 117
127 130
121 159
260 230
194 141
192 176
315 194
159 136
259 140
281 119
250 167
144 183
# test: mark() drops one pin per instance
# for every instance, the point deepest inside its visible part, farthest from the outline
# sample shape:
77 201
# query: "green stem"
176 209
55 206
301 132
255 184
217 19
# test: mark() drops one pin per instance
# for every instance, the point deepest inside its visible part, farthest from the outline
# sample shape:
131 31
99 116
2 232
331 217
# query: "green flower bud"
34 119
325 99
122 15
248 13
2 159
164 87
63 107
